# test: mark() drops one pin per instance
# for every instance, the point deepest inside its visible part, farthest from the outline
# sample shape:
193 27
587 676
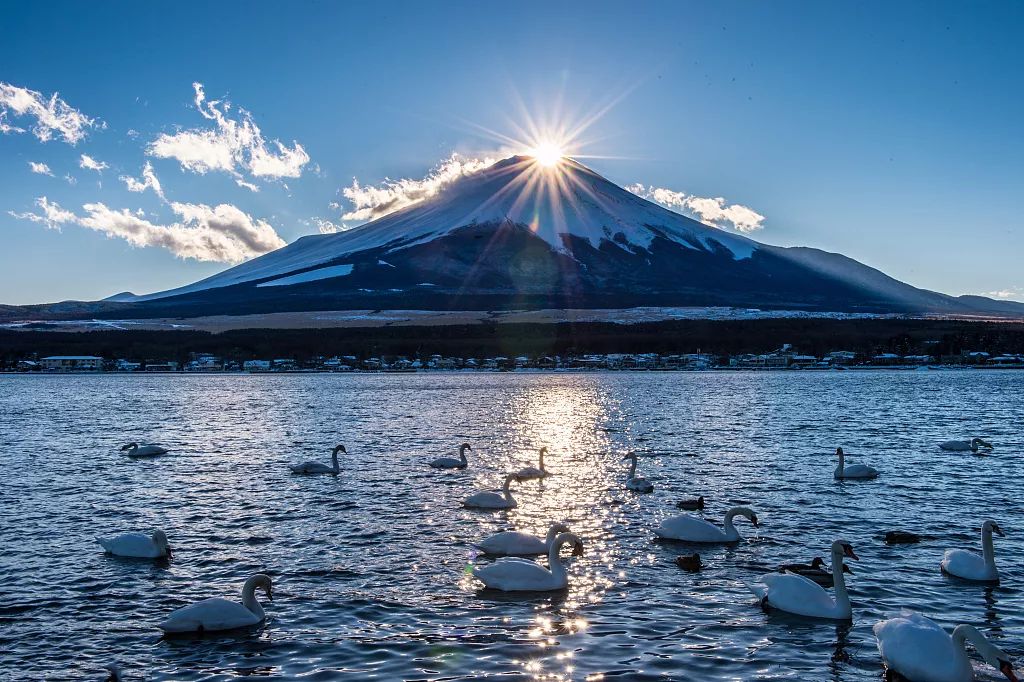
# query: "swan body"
854 470
637 485
452 462
970 566
522 575
964 445
489 500
530 473
138 545
514 543
143 450
920 650
221 614
801 596
320 467
689 528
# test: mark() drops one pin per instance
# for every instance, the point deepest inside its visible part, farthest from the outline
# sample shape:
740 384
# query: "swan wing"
640 485
531 472
690 528
955 445
487 500
147 450
209 614
964 564
516 575
446 463
312 468
512 542
860 471
131 545
919 649
794 593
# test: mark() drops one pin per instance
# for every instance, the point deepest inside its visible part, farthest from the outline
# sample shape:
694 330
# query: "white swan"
489 500
963 445
318 467
530 473
514 543
971 566
451 462
221 614
854 470
637 485
689 528
138 545
144 450
919 650
793 593
523 575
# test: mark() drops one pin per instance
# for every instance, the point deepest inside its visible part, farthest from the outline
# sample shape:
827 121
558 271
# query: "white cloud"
328 227
53 216
712 211
72 180
89 163
233 145
52 115
149 181
220 233
40 168
1011 293
372 202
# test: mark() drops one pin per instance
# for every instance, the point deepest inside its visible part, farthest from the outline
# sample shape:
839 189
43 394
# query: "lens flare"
547 154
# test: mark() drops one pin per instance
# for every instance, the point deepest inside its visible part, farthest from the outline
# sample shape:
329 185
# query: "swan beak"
848 551
270 595
753 520
998 531
1007 669
847 569
169 553
577 549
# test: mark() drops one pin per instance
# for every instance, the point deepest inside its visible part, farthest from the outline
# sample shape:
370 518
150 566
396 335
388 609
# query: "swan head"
544 450
577 548
993 527
817 562
465 446
559 527
339 448
979 442
839 452
842 548
262 580
129 446
160 540
629 455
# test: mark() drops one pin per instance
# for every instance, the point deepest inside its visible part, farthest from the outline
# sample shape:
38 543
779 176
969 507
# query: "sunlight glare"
547 154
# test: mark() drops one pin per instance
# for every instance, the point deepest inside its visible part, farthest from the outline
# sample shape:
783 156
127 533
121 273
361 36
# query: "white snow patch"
310 276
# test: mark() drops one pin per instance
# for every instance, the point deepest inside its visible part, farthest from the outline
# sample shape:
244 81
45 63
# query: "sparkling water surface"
370 568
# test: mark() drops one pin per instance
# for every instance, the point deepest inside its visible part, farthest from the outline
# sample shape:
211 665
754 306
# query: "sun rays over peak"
547 154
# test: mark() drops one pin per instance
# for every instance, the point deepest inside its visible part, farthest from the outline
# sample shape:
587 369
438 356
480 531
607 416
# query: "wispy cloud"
712 211
329 227
40 168
233 145
222 233
53 116
51 214
89 163
148 181
71 179
370 202
1010 293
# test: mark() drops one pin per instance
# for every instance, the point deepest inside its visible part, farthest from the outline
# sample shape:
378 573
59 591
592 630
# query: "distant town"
785 358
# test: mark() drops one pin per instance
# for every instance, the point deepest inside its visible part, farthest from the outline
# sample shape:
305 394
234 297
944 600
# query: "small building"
72 363
256 365
168 366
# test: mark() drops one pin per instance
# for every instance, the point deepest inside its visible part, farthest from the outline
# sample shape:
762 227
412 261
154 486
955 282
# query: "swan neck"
729 526
988 550
554 563
542 460
968 633
842 462
249 600
632 467
839 579
507 488
549 540
334 459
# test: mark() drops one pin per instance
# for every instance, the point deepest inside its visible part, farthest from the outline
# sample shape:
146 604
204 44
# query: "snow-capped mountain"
522 235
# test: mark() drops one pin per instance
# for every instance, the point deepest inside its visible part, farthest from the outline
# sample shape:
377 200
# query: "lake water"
370 568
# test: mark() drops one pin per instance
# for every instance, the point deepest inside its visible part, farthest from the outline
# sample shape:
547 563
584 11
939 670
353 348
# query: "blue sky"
889 132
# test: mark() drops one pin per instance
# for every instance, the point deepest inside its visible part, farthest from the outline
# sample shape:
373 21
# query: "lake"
370 568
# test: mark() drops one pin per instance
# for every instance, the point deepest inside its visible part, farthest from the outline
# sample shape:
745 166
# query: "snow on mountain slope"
569 199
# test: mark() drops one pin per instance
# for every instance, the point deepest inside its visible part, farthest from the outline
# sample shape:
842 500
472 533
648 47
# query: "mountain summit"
522 235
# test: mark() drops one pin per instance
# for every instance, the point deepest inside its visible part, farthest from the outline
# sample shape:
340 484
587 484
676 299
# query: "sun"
547 154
